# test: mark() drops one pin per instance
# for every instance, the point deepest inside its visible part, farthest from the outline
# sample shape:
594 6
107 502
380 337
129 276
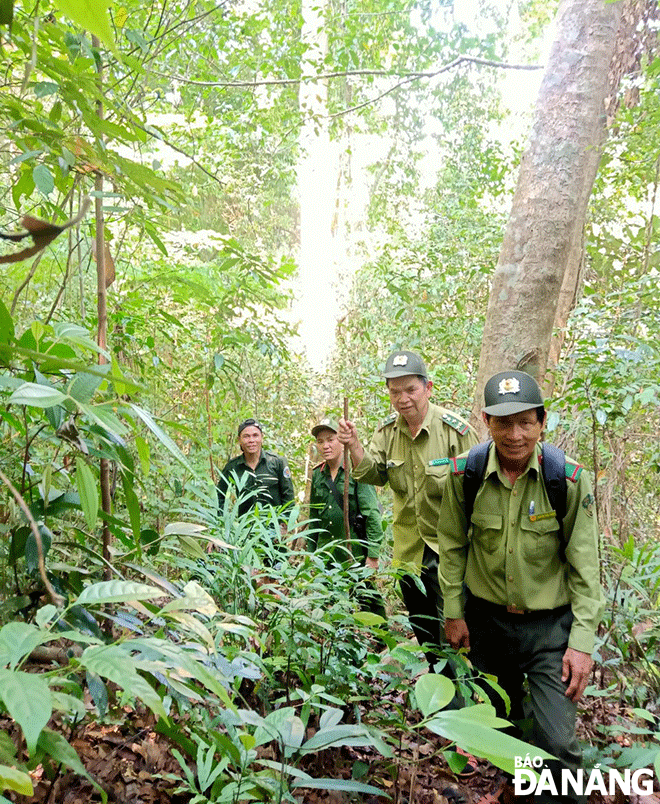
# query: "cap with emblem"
328 423
511 392
400 364
249 423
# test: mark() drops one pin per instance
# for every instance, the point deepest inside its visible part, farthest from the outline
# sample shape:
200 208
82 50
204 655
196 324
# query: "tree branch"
347 73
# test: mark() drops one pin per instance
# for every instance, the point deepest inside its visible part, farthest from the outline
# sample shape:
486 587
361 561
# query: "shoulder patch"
572 471
457 465
454 421
286 472
388 420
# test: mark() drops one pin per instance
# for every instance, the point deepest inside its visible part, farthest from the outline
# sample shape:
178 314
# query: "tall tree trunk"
316 178
544 232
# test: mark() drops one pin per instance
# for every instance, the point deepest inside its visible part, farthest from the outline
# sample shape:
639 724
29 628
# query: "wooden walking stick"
347 524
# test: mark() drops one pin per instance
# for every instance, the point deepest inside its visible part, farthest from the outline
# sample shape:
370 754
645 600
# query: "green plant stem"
55 598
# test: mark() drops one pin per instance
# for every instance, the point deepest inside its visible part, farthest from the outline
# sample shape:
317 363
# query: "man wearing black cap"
265 475
528 564
407 450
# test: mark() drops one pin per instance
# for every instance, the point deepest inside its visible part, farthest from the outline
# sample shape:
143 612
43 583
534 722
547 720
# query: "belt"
501 609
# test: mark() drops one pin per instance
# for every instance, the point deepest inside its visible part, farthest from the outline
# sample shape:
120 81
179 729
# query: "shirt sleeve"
453 546
286 483
312 533
582 557
368 503
372 468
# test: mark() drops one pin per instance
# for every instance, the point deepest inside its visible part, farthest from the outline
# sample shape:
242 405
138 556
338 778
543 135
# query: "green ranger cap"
511 392
401 364
328 423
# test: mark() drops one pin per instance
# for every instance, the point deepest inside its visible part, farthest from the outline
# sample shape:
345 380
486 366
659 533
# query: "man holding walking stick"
406 452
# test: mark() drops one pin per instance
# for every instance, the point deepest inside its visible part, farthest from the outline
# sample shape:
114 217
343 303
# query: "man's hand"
457 633
576 667
347 435
372 563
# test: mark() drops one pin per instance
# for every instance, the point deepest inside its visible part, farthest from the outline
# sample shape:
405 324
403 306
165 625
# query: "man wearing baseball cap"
406 451
326 504
520 568
261 474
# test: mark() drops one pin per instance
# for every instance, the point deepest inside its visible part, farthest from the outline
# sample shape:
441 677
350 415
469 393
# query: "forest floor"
134 764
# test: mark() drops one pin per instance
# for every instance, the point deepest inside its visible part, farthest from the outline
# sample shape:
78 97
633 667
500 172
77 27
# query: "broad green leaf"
89 496
143 452
74 333
6 325
193 624
83 387
132 504
105 416
433 692
92 16
69 704
18 640
183 528
346 785
192 547
330 717
37 396
59 749
282 767
481 740
162 436
117 591
28 701
196 599
282 725
182 659
110 661
347 734
13 779
43 180
369 618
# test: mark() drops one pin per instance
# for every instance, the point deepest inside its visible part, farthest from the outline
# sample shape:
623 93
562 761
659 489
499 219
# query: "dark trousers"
425 610
515 646
370 599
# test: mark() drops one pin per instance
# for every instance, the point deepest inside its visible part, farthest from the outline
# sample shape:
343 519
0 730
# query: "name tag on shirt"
547 515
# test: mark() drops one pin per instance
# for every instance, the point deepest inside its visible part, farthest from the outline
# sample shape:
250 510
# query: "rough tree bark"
556 176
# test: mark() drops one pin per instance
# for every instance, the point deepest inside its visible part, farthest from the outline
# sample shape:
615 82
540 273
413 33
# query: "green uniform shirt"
406 463
327 514
512 555
271 479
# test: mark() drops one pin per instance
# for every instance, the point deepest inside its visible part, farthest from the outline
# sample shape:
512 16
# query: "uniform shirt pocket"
436 476
396 474
540 539
487 530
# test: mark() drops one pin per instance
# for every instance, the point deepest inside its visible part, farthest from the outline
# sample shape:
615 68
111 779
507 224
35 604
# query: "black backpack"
553 463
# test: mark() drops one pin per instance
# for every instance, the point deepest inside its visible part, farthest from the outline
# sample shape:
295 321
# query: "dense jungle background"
277 196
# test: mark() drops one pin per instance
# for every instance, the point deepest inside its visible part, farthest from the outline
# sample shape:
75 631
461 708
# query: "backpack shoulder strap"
475 467
553 469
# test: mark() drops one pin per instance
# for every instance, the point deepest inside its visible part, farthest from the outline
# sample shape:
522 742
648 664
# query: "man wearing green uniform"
263 475
406 451
531 582
327 513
